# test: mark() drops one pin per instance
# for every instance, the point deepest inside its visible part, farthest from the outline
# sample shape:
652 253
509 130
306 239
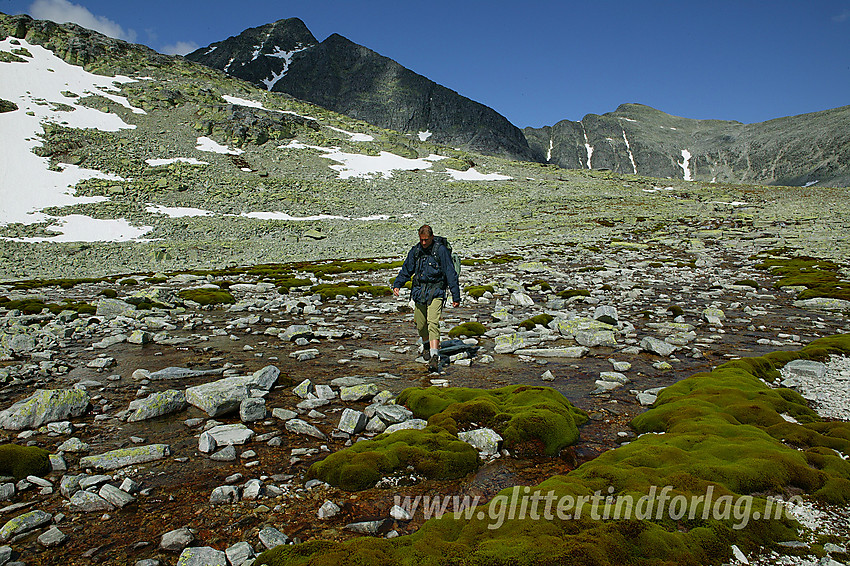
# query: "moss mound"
350 289
468 329
208 296
432 452
570 293
541 319
529 419
23 461
725 447
31 306
478 291
820 277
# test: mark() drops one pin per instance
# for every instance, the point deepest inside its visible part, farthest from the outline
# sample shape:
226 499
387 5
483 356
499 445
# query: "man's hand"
455 304
395 291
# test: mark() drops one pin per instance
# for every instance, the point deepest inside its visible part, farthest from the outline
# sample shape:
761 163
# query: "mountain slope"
351 79
798 150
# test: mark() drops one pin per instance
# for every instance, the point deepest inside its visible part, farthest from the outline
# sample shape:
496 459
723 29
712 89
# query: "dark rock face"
799 150
353 80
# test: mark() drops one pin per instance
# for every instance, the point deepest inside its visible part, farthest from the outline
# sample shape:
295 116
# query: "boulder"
156 405
88 502
358 392
657 346
252 409
44 406
220 397
392 414
271 537
202 556
297 426
24 523
176 540
805 369
485 440
351 421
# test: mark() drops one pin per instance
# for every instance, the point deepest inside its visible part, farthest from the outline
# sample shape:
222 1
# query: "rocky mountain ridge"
810 149
342 76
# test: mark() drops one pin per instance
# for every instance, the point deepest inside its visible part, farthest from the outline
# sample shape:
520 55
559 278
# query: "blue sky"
538 62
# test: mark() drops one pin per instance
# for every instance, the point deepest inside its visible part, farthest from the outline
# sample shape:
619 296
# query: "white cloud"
180 48
62 11
842 17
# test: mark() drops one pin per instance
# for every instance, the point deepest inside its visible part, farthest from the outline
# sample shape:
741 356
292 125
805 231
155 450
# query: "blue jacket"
431 271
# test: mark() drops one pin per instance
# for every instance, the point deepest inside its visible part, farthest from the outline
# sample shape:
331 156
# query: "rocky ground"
205 467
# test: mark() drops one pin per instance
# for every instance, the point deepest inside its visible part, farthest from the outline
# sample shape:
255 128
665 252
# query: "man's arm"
405 273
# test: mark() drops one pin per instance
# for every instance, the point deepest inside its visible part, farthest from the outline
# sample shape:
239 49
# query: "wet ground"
178 488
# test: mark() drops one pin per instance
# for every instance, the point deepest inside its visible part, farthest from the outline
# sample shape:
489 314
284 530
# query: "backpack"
455 256
445 243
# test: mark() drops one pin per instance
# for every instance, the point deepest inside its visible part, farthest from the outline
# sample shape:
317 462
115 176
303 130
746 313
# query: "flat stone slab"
805 368
570 352
126 457
484 440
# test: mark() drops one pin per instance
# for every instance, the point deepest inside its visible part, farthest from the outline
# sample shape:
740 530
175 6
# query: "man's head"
426 236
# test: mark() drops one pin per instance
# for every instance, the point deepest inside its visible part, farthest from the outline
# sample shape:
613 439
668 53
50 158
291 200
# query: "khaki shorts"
427 319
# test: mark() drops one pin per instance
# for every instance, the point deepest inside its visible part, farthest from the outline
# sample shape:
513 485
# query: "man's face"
425 240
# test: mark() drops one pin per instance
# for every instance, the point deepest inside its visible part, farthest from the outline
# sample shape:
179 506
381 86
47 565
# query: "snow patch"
472 175
629 149
177 211
587 146
42 87
810 183
79 228
161 162
551 146
286 57
423 136
208 144
353 136
685 165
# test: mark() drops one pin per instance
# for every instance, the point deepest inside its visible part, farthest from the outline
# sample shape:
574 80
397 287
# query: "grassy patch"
432 452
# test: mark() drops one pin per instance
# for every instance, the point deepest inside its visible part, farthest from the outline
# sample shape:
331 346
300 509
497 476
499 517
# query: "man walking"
431 271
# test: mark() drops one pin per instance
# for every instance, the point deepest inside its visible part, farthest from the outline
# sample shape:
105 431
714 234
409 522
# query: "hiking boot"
426 354
434 363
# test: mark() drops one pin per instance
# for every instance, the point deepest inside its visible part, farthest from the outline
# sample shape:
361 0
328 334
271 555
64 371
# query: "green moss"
478 291
349 289
109 293
432 452
467 329
820 277
529 419
495 260
128 282
541 319
207 296
675 310
748 283
591 268
31 306
23 461
544 285
569 293
719 436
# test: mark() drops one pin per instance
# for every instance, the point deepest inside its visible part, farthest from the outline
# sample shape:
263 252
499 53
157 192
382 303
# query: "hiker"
430 268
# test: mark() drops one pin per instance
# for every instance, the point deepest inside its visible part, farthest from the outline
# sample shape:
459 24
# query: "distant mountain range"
810 149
